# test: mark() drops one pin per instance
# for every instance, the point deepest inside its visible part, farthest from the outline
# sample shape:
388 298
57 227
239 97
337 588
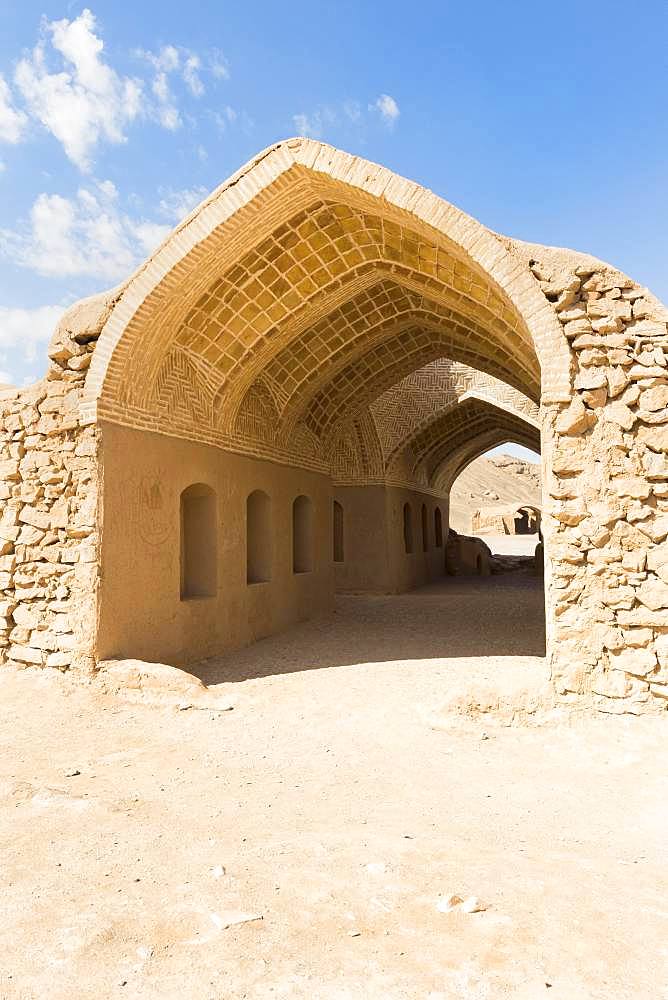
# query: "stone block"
661 647
638 638
569 513
611 684
631 486
576 419
618 597
59 659
653 593
619 413
605 306
30 536
44 639
36 518
26 654
595 398
28 616
9 469
657 529
577 327
634 560
633 661
654 399
656 438
591 379
643 617
617 380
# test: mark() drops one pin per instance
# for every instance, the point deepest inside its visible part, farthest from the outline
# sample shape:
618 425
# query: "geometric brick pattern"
418 399
399 422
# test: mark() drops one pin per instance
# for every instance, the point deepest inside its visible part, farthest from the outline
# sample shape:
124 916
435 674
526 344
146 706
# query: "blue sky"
546 122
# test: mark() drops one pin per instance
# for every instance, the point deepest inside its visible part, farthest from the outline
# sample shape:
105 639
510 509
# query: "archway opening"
327 338
496 499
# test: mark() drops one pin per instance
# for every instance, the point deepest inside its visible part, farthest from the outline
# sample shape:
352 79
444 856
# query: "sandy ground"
337 803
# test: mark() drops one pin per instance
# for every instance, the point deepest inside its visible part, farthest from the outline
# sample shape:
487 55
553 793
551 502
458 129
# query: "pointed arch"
269 252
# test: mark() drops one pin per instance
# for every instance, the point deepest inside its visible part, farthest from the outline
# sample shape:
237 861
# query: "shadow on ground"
456 617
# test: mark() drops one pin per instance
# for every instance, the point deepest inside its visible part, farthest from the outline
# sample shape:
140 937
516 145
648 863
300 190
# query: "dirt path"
339 803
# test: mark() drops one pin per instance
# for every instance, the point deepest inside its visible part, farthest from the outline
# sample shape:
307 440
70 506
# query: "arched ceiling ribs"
453 429
452 467
279 288
431 457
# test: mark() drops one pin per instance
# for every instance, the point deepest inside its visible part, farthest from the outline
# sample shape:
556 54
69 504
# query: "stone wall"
606 476
48 508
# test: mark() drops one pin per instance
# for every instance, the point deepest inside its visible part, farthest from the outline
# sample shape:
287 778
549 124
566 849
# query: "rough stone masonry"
608 490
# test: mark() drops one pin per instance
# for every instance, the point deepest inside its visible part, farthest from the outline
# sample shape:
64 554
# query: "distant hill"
493 482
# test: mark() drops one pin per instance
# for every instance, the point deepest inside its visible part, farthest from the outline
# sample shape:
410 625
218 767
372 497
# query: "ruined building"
277 402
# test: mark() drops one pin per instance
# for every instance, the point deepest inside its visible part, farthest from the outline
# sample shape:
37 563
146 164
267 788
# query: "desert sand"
303 844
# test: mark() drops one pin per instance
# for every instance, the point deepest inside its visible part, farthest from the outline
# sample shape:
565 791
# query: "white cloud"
326 117
220 66
86 236
176 205
352 111
315 124
12 122
191 69
85 101
146 235
227 116
164 62
23 334
388 108
172 60
66 85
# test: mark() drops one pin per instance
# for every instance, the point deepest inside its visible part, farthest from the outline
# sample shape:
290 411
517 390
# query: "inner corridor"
461 628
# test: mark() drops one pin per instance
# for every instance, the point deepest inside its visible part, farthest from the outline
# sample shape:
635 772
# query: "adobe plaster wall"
141 613
418 567
375 558
365 544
